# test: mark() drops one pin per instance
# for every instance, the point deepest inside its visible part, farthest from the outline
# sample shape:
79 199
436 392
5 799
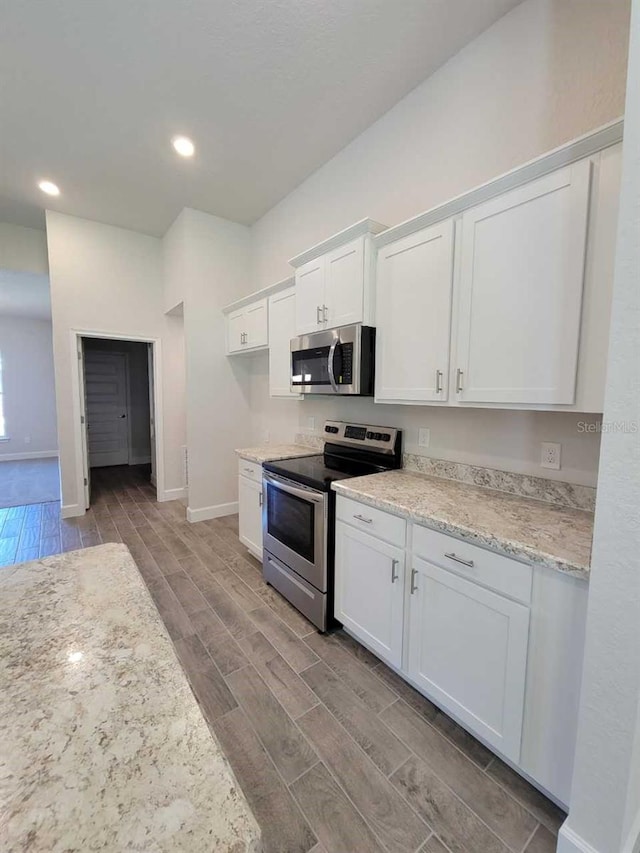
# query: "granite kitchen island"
104 745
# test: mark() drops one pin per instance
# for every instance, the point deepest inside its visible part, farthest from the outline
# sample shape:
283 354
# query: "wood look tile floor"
334 752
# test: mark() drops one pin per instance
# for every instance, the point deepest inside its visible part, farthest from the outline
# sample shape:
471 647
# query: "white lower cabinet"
494 642
468 651
250 514
369 594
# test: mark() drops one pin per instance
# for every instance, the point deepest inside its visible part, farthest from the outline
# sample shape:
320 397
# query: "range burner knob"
370 435
385 436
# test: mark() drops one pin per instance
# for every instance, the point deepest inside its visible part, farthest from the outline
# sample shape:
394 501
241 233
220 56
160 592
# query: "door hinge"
79 355
81 419
86 482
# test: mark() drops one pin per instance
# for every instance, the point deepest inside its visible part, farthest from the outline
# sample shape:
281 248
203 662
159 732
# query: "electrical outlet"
550 455
424 437
311 422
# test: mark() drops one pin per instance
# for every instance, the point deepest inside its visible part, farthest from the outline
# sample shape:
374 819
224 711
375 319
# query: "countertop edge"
252 454
508 548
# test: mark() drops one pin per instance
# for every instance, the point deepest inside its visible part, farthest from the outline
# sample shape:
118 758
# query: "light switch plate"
550 455
424 437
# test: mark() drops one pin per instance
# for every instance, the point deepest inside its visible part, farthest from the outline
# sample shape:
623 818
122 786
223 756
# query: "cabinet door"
369 594
250 515
344 285
256 324
282 322
413 309
468 651
235 329
310 297
521 276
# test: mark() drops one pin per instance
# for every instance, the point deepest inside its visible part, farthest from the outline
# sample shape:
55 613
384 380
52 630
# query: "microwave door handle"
332 376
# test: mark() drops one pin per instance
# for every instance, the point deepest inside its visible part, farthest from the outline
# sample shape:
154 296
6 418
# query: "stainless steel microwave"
336 361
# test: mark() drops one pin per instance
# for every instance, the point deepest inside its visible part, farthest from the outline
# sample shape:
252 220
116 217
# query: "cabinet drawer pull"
414 587
439 375
260 499
248 470
455 557
394 576
362 518
459 375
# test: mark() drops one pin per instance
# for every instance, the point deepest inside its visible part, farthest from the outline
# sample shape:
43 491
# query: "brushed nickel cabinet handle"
318 318
459 375
324 313
394 575
260 501
362 518
414 587
439 375
455 557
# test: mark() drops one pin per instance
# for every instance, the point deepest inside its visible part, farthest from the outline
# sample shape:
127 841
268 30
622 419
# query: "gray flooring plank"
234 617
286 685
331 815
375 694
288 748
504 815
294 650
369 731
208 685
540 807
387 813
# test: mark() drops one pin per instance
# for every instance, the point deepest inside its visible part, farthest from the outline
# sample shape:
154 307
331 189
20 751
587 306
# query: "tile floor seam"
517 799
530 838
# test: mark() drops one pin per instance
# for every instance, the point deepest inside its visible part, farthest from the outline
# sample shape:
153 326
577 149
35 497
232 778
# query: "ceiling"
91 94
25 294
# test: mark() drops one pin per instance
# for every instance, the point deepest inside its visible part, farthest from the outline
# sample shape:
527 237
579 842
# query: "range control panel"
375 437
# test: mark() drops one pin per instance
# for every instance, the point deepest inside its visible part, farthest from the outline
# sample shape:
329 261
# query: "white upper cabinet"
247 327
334 281
310 297
344 284
282 322
413 308
522 265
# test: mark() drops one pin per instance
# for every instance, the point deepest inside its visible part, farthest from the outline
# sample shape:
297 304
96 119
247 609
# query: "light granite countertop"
524 528
104 745
274 452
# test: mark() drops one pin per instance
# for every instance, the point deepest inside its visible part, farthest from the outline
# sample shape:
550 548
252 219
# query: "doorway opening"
117 413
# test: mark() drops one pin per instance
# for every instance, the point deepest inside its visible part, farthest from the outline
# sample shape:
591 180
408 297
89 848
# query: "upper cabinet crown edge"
358 229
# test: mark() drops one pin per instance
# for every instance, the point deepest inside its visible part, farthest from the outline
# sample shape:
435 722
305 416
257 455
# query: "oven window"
290 520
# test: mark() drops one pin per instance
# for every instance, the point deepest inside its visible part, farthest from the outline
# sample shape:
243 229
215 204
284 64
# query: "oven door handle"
290 488
332 352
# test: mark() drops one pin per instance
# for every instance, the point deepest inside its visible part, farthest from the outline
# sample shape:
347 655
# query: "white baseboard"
72 510
139 460
34 454
172 495
206 512
570 842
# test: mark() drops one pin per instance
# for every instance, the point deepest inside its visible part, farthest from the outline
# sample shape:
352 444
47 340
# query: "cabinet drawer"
494 571
252 470
374 521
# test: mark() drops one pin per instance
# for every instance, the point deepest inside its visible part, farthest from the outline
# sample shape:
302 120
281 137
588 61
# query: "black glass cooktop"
318 472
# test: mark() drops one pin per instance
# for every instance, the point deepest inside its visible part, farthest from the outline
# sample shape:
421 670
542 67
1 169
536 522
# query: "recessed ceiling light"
49 188
183 145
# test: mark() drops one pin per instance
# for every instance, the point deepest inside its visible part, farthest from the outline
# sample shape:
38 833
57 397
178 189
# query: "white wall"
107 280
210 257
547 72
138 387
23 249
29 391
605 799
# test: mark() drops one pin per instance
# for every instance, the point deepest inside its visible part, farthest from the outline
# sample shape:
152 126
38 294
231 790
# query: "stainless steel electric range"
298 512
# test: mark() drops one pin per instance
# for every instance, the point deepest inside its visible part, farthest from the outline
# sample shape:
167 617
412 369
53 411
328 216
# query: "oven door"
294 527
327 362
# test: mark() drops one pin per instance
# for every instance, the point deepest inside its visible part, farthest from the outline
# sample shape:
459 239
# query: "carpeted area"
29 481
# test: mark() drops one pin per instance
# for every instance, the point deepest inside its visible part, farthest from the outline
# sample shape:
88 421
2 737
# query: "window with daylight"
3 428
